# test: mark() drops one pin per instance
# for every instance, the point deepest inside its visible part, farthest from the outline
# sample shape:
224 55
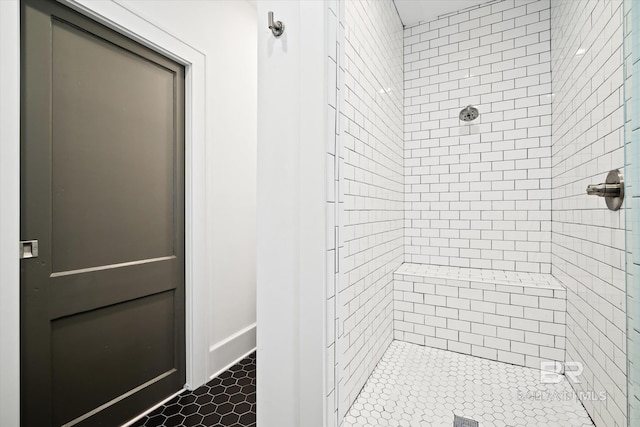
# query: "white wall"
225 32
292 241
371 220
588 239
477 194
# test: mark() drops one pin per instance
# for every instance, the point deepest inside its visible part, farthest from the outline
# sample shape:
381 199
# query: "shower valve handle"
604 190
612 190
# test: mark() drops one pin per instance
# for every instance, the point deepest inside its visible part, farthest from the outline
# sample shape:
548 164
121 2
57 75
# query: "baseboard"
228 352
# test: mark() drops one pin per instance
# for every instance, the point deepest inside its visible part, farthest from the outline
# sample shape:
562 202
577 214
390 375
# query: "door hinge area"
28 249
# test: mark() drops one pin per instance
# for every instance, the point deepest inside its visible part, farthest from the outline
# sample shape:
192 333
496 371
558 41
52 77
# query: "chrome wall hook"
612 190
277 27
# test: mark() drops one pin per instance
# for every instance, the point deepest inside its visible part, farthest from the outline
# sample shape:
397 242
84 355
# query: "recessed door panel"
126 345
112 153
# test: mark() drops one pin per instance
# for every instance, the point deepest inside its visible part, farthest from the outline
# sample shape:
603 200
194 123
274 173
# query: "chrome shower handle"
612 190
604 190
277 27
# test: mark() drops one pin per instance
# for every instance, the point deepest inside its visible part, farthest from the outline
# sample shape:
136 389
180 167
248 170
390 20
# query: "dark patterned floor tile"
228 400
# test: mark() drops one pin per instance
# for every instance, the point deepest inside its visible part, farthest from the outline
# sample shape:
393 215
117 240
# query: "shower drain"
464 422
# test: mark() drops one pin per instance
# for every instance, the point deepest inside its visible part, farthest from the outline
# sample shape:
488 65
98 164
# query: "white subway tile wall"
478 194
371 183
588 240
511 317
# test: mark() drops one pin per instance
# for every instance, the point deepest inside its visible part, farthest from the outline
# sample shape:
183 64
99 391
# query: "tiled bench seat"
511 317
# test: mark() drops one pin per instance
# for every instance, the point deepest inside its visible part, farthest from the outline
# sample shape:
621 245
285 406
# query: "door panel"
104 341
102 190
97 85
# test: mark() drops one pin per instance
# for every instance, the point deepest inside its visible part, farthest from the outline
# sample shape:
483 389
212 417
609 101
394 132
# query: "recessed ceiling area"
414 11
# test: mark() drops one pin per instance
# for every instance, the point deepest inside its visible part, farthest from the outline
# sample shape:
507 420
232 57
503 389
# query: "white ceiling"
414 11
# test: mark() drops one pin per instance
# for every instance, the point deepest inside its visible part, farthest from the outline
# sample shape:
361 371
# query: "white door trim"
9 212
126 21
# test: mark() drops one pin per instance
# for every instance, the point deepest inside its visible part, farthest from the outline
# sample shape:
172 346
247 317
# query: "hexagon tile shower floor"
416 386
227 400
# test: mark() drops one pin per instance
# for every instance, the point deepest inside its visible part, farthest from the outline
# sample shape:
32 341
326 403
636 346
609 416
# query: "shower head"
469 113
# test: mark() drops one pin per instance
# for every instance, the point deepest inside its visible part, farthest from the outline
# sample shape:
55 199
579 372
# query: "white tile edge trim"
551 283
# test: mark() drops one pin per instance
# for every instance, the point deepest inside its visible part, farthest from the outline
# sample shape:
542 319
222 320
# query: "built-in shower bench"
511 317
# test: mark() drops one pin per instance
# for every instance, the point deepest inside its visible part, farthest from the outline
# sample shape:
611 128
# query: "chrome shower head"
469 113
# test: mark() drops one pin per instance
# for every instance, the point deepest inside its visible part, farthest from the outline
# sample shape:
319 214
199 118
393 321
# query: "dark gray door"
102 190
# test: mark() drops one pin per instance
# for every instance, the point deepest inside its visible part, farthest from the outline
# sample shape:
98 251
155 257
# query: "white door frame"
9 212
120 18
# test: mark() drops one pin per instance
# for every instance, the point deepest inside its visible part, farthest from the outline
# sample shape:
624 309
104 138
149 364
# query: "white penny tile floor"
415 386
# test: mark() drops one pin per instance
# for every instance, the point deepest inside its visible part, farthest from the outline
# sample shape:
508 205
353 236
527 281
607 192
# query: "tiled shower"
477 194
476 238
